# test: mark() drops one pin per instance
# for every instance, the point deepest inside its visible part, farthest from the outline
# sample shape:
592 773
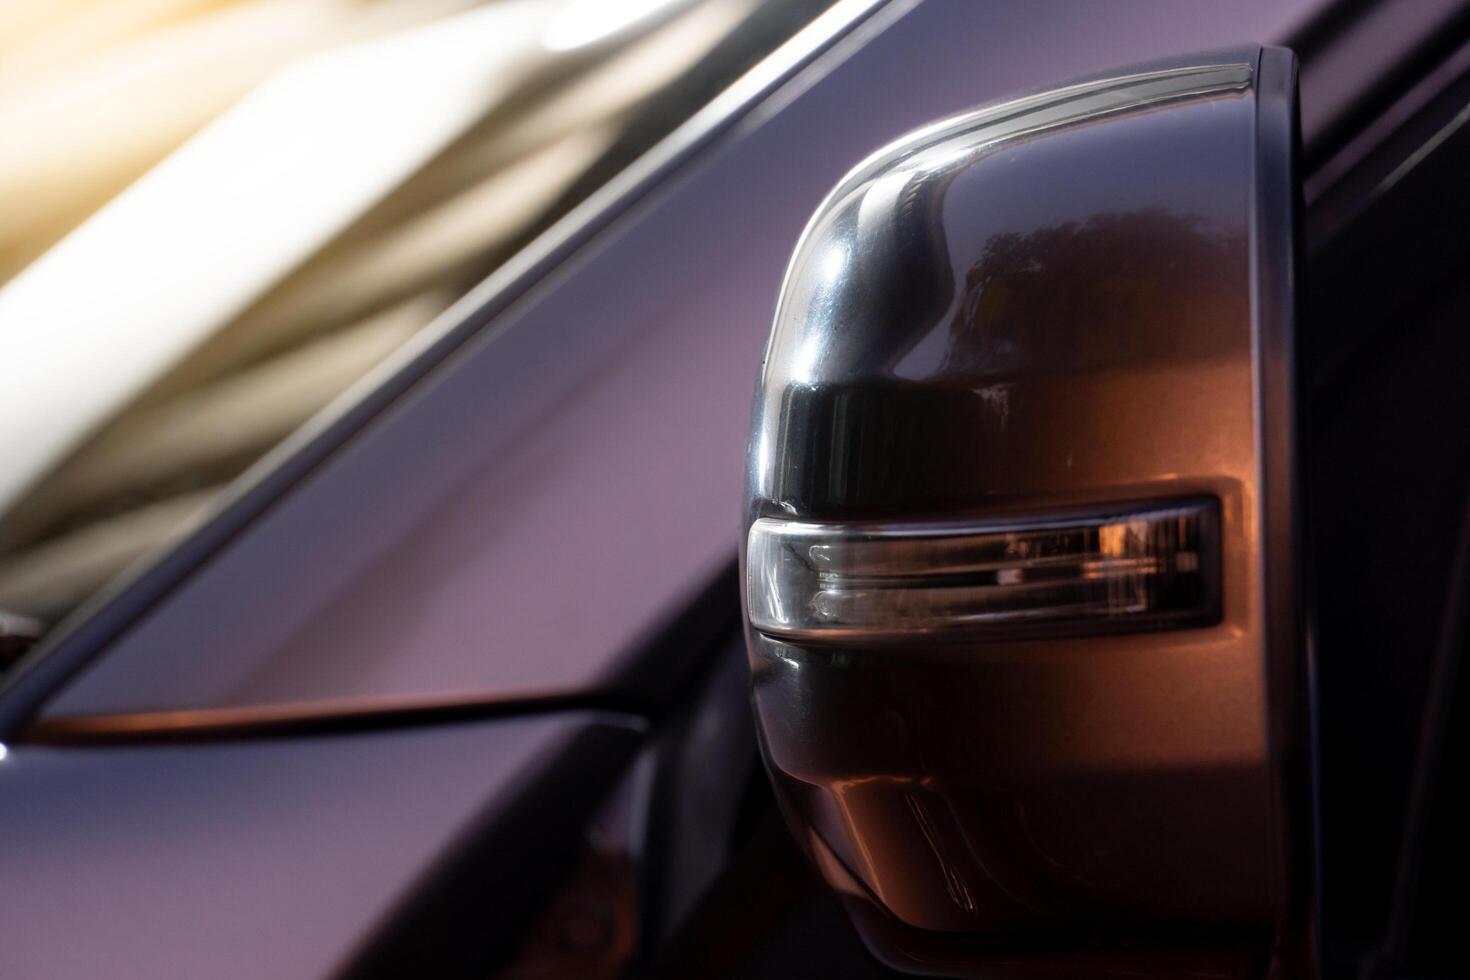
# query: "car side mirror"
1019 565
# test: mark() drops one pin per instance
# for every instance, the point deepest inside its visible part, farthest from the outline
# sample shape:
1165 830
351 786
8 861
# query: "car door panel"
281 857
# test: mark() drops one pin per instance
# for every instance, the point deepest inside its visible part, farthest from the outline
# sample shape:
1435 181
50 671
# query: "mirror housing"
1019 551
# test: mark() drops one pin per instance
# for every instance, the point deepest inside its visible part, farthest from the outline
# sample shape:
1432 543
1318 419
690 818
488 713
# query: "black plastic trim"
1276 259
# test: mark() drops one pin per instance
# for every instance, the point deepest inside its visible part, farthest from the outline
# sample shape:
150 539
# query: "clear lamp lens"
1140 567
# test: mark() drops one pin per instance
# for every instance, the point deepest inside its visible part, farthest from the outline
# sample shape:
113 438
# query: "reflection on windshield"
222 214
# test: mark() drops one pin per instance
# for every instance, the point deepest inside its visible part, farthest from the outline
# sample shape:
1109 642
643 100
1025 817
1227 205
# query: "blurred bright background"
220 214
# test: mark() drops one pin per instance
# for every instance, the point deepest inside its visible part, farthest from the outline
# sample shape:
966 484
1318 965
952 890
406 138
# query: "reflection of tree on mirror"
1108 290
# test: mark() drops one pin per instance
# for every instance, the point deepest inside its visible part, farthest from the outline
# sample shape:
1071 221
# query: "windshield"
216 216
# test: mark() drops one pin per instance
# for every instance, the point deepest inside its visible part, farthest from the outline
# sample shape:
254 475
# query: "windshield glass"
216 215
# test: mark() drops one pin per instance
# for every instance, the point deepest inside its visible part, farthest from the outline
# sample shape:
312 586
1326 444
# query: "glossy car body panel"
274 858
1054 301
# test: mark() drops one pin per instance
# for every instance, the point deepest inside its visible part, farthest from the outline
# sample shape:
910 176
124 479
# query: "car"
1095 601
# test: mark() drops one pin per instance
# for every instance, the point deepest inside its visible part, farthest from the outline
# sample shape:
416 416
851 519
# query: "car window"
217 216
